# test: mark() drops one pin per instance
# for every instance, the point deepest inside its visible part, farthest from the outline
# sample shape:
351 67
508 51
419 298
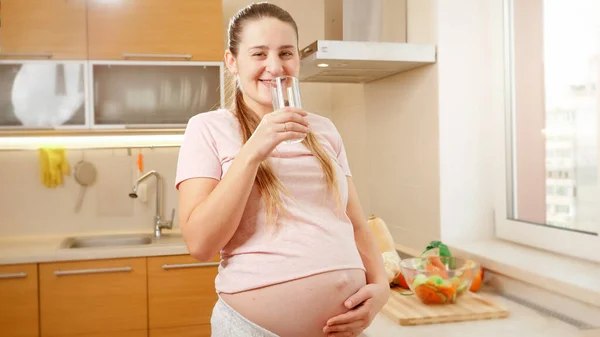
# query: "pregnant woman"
297 257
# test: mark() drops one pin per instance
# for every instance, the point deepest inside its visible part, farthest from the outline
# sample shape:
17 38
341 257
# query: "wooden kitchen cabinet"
145 29
19 300
96 297
186 331
132 333
54 29
181 295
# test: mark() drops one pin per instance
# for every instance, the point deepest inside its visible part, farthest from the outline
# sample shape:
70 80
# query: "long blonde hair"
268 184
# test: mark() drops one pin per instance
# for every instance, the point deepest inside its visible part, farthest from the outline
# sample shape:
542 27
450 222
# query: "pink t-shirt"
314 237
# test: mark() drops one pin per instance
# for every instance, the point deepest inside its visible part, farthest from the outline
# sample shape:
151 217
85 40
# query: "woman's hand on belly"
364 305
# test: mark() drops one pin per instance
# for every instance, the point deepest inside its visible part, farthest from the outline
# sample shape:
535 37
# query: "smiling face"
268 48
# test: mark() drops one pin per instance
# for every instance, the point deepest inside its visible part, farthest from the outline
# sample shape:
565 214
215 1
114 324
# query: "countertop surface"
522 321
50 249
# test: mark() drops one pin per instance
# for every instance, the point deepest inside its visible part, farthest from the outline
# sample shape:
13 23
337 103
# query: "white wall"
402 131
469 52
348 113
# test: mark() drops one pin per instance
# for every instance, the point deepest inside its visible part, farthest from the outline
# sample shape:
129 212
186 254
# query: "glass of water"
285 91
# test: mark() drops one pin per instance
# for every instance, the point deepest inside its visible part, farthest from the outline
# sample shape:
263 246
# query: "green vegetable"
436 279
443 251
419 279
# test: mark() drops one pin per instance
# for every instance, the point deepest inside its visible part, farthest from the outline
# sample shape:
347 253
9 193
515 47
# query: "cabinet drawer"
181 291
19 300
87 297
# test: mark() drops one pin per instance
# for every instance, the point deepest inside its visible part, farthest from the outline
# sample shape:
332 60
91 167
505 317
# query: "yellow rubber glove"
62 165
65 168
54 165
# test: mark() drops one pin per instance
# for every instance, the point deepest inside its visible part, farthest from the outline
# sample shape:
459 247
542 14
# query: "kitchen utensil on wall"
85 175
140 164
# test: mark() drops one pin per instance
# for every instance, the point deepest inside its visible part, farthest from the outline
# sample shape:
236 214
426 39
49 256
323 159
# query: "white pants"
226 322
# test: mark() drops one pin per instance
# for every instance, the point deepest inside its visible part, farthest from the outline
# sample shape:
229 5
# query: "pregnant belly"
298 308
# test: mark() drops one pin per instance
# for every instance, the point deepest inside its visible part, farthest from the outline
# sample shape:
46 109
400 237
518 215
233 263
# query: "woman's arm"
367 301
210 210
365 241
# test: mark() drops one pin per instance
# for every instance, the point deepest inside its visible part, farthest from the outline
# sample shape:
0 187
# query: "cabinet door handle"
189 265
13 275
172 56
46 55
91 271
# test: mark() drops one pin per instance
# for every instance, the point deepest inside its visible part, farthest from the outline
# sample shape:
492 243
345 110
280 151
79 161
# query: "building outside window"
552 61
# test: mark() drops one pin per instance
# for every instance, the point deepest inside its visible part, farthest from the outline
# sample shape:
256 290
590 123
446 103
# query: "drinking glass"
285 91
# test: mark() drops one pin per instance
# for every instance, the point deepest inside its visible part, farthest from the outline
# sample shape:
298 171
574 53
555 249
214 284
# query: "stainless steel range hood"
365 40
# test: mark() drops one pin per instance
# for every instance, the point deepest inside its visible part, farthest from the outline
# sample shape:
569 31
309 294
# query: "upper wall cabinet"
149 94
43 29
155 29
41 94
102 64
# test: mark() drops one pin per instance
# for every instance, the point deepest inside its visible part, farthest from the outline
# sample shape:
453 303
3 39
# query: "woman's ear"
230 62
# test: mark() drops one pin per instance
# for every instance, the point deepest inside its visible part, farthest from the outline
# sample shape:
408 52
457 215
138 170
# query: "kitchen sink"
107 241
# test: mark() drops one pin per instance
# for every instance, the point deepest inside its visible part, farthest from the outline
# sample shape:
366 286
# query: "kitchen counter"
49 249
522 321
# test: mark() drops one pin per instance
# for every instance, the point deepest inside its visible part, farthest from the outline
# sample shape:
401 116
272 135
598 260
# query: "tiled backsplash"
28 208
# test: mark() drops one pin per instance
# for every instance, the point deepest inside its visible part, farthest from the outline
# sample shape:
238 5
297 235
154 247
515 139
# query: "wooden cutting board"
409 310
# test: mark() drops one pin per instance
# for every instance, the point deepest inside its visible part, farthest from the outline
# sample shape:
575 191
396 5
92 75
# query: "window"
551 193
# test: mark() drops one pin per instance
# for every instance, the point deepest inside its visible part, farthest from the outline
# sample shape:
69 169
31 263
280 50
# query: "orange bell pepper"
477 281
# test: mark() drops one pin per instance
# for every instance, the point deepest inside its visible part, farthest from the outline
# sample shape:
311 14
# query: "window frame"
553 239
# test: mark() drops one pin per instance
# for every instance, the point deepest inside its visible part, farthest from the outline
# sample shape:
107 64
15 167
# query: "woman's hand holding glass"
276 127
285 92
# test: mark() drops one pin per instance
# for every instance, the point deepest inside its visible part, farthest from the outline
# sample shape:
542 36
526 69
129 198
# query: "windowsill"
571 277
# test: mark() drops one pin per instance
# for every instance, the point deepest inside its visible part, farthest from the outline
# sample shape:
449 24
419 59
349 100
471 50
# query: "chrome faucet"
159 224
